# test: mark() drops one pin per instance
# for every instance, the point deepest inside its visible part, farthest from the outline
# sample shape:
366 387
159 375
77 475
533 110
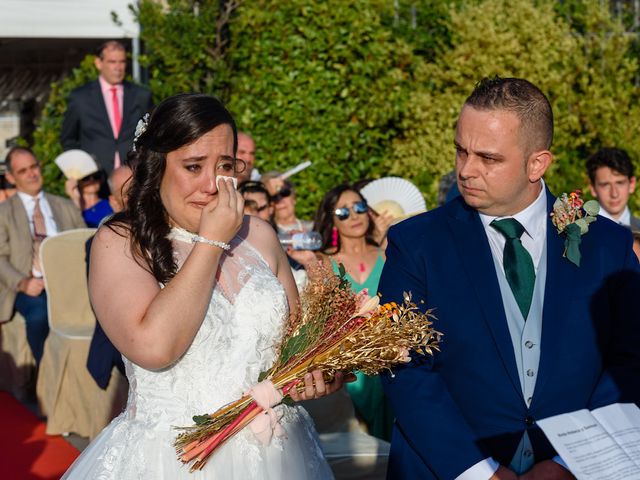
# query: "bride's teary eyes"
226 166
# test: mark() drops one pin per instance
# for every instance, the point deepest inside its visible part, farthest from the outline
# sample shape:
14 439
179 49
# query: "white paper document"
603 444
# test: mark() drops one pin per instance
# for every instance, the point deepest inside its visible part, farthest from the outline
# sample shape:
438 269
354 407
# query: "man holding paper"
528 332
25 220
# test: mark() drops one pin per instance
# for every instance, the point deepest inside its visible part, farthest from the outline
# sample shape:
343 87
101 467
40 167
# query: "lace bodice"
235 343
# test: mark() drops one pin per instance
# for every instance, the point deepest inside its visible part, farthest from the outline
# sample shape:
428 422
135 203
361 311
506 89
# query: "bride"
195 315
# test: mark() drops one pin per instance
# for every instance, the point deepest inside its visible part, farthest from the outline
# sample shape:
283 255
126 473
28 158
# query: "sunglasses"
283 193
345 212
252 206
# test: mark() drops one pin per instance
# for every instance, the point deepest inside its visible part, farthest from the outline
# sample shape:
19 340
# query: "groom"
527 333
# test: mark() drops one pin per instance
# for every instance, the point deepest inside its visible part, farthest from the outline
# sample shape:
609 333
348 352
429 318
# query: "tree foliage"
320 81
588 78
185 42
46 138
369 88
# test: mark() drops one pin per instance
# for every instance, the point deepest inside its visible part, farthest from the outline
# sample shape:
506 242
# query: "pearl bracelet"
213 243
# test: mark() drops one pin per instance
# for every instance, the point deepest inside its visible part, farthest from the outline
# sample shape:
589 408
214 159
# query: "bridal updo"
178 121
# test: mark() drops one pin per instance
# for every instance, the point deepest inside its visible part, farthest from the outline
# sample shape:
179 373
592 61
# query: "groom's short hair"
522 98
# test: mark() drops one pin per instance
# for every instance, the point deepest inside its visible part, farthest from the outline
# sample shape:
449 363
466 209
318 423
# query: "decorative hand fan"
76 164
394 195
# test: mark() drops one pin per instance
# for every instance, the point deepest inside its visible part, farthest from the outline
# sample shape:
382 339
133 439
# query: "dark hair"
108 45
17 149
251 186
616 159
178 121
522 98
100 177
324 218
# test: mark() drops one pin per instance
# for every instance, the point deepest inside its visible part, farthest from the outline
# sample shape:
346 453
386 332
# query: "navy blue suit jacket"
465 403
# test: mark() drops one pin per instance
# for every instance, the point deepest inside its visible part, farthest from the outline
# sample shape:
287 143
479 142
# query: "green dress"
366 392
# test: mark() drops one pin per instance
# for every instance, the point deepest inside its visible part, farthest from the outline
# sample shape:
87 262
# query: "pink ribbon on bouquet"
267 423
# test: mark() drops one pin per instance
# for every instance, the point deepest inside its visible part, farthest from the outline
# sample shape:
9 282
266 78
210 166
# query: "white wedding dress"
235 343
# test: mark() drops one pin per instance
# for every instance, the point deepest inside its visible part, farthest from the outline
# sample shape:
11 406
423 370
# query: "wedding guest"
195 295
247 153
119 180
91 196
257 200
528 334
26 219
103 356
345 222
612 181
101 115
283 196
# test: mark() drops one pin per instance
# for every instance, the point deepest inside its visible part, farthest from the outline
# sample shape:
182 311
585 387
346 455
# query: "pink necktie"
117 120
117 117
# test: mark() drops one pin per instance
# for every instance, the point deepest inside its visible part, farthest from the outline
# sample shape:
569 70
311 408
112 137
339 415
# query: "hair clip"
141 127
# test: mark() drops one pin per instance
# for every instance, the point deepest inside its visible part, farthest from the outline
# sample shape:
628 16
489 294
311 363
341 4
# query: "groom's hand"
548 470
504 473
316 387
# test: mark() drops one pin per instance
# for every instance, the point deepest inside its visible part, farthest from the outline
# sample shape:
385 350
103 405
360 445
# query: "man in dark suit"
25 220
527 333
612 181
102 115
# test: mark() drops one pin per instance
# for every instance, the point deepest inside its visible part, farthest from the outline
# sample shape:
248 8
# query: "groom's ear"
537 164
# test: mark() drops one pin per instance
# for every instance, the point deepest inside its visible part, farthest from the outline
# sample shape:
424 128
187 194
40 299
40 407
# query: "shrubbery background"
366 89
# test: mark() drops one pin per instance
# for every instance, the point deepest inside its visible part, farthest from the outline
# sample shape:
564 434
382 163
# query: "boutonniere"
571 216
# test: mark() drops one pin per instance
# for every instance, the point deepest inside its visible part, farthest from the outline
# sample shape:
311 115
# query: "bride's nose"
208 180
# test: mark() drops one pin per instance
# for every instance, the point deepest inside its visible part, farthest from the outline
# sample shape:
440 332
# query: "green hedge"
588 78
356 89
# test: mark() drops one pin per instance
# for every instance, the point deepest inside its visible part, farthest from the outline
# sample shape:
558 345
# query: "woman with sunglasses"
345 222
283 197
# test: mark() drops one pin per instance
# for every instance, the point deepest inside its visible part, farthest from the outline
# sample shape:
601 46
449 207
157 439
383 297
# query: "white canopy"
66 19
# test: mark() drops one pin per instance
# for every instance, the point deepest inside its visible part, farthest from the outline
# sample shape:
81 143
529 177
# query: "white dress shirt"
534 220
29 203
625 218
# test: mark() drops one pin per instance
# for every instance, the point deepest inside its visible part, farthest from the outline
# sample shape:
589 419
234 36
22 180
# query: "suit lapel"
127 104
21 218
55 210
473 248
560 284
99 106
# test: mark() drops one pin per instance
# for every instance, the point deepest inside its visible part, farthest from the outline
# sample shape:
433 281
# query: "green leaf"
583 225
201 419
592 207
296 344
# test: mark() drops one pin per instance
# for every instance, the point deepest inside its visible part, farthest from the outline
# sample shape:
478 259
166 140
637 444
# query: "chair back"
62 258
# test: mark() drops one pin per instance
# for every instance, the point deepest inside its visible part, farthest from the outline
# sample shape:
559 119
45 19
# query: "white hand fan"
76 164
394 195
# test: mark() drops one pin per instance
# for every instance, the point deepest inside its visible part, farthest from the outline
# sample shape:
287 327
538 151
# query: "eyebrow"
480 153
200 158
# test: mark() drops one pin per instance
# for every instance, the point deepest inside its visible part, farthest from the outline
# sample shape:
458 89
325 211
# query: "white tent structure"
42 40
69 19
66 19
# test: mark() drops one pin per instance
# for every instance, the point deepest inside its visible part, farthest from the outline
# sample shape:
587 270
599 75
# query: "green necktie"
518 266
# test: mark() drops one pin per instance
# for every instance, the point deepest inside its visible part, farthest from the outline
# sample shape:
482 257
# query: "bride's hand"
316 387
222 221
